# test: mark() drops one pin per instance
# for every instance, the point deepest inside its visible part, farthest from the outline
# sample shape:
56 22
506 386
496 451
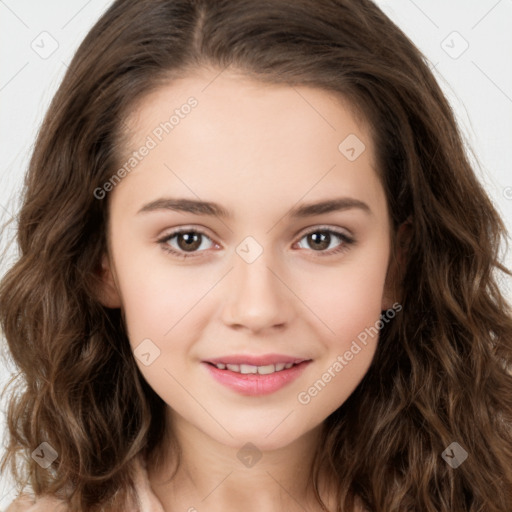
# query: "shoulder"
26 503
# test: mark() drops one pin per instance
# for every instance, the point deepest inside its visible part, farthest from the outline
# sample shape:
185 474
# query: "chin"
263 437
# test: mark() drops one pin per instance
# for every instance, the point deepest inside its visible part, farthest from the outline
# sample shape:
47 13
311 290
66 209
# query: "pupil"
190 240
321 238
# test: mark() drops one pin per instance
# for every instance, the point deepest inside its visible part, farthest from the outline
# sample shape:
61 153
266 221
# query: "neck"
212 476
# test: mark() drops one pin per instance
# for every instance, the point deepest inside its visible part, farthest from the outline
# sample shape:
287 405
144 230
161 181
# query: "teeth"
249 368
265 370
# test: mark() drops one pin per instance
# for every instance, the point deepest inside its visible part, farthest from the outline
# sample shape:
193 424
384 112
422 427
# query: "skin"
258 150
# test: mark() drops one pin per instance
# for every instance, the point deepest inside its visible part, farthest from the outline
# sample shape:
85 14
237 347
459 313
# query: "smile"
255 379
261 370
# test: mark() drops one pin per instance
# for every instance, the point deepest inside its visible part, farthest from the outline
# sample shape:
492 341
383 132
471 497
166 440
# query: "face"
258 278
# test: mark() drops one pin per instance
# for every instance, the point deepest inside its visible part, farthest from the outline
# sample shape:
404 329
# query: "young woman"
256 272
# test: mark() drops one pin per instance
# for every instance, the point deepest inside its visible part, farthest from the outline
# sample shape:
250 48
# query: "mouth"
247 369
256 375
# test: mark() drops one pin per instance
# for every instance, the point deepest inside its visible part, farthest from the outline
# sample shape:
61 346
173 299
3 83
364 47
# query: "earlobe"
107 292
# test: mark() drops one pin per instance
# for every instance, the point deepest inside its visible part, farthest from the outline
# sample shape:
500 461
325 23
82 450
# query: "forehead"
233 102
226 134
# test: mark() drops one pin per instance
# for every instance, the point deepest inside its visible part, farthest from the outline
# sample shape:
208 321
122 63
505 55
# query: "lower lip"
253 383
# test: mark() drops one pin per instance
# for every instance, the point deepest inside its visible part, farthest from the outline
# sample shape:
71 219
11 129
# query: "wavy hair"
441 372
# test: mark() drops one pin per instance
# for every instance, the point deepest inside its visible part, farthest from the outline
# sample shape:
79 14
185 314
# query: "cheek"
159 298
348 299
352 310
165 314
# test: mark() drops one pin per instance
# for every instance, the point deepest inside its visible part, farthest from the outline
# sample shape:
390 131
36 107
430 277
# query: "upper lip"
255 360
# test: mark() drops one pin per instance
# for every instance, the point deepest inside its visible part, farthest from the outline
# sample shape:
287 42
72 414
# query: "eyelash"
347 241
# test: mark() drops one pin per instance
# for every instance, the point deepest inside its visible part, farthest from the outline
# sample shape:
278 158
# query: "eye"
188 241
321 238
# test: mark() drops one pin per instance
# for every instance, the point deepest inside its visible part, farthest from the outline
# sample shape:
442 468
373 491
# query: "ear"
107 289
397 264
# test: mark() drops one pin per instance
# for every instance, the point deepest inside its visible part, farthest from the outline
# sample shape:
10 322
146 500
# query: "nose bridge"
257 298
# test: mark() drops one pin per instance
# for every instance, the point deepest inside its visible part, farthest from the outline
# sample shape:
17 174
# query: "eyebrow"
213 209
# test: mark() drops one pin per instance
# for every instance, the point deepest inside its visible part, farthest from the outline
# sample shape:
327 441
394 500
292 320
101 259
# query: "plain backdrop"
468 43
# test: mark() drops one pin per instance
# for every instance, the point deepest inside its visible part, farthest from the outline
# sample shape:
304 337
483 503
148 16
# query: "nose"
258 298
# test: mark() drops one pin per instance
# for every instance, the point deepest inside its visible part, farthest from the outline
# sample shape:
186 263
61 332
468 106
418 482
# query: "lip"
254 384
255 360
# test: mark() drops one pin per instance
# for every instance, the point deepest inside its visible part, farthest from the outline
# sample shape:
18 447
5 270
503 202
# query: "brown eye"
320 239
186 241
189 241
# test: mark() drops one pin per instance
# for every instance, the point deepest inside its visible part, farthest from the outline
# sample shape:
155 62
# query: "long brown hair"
440 371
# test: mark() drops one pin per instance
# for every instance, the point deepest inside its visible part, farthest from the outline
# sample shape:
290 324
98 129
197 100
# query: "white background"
478 84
